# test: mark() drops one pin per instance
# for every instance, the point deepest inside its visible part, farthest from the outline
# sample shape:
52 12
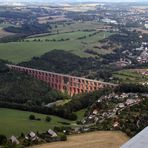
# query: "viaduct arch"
61 82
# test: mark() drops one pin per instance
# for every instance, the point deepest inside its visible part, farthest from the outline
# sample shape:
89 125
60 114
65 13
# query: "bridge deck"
72 84
64 75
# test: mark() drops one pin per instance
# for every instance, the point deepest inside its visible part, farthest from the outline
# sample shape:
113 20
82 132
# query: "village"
33 138
121 101
138 55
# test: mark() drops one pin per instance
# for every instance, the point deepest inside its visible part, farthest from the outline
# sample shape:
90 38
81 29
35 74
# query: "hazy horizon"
68 1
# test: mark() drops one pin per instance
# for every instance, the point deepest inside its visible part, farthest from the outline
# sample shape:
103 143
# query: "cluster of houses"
124 101
123 62
33 137
143 57
139 54
146 25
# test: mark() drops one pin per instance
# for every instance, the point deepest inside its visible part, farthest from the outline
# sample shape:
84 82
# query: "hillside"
20 91
11 117
60 61
21 88
75 42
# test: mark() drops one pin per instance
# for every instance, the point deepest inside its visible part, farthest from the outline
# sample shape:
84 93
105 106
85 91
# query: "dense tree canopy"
61 62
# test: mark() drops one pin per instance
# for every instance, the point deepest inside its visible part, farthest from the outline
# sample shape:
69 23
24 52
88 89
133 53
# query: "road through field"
100 139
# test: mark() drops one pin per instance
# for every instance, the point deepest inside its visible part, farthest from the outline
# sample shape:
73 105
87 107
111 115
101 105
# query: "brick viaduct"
71 84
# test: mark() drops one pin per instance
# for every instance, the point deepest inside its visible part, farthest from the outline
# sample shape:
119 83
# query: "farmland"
101 139
78 26
4 33
23 51
129 76
5 25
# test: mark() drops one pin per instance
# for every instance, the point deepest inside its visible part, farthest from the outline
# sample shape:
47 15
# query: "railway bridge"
61 82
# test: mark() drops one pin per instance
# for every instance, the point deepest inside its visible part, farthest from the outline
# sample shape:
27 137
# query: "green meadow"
129 76
5 25
15 122
23 51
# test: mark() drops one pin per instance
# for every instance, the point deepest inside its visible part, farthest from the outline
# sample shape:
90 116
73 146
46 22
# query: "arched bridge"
71 84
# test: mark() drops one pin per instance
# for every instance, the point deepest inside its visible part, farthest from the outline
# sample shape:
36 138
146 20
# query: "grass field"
15 121
23 51
130 76
4 33
5 25
78 26
101 139
71 35
80 114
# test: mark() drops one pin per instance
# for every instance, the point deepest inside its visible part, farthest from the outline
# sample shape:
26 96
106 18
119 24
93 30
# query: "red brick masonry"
71 84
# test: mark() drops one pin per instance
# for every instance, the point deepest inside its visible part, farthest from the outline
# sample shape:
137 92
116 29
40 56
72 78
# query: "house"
99 101
146 26
109 21
124 95
96 119
91 117
52 133
116 124
13 139
143 58
77 130
121 105
129 101
31 136
95 112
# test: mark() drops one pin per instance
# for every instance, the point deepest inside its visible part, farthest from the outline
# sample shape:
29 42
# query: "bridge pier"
71 84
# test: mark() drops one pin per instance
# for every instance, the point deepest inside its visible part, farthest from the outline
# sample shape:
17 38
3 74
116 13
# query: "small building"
121 105
146 26
95 112
13 139
116 124
52 133
77 130
109 21
130 101
31 136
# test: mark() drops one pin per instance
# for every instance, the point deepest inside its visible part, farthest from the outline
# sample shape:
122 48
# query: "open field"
79 26
3 33
80 114
70 35
15 121
100 139
5 25
75 26
130 76
23 51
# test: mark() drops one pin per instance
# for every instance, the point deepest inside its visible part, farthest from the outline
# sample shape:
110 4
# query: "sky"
52 1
